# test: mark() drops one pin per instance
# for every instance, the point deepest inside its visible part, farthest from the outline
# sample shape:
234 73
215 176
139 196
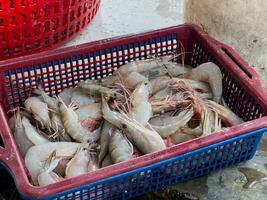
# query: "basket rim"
16 164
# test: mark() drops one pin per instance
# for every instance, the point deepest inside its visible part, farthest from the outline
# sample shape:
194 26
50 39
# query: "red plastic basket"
63 68
29 26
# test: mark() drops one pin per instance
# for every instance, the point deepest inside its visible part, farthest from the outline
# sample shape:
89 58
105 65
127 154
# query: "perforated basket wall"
64 68
28 26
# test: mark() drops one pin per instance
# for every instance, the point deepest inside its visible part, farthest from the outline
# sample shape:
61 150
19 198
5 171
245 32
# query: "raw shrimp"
92 111
146 140
120 148
104 140
142 65
74 127
107 161
81 162
228 117
37 154
141 109
161 95
78 164
80 98
158 84
51 102
210 73
179 100
32 134
170 125
189 131
133 79
171 69
59 129
66 95
47 176
179 137
20 137
93 162
96 91
39 109
22 113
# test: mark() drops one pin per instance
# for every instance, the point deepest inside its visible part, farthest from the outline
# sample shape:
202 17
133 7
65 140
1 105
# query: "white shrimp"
32 134
170 125
133 79
178 100
92 111
73 126
141 109
47 176
20 137
19 113
93 162
104 140
142 65
145 139
228 117
210 73
39 109
107 161
59 129
179 137
96 91
79 164
120 148
66 95
171 69
80 98
159 83
51 102
37 154
161 95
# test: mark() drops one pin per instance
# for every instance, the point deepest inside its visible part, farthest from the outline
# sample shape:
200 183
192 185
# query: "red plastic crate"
29 26
62 68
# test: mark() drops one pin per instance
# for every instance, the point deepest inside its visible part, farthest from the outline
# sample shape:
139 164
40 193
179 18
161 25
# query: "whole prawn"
141 109
36 155
145 139
73 126
40 111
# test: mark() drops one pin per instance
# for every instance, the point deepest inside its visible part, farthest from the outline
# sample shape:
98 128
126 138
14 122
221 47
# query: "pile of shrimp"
144 107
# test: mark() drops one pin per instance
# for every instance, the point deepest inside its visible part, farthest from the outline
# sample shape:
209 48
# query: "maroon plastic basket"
63 68
28 26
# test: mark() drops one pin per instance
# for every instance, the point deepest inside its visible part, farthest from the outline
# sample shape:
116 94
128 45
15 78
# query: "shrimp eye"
124 126
145 83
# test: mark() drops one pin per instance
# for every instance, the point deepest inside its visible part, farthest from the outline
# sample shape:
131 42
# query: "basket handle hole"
2 144
236 62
